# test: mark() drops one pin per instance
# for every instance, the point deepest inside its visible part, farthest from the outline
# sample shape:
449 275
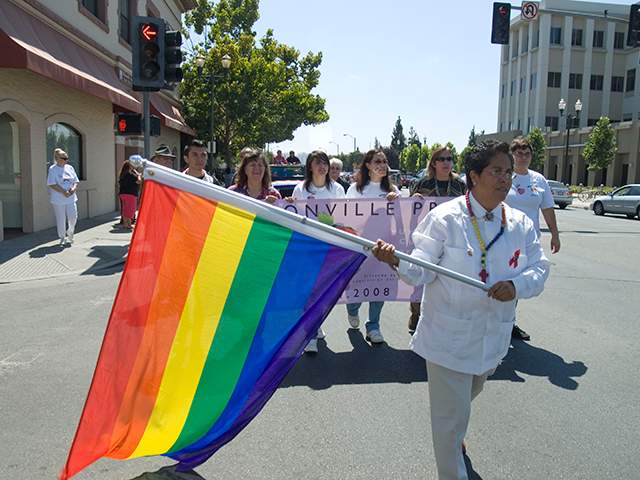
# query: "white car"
624 200
562 195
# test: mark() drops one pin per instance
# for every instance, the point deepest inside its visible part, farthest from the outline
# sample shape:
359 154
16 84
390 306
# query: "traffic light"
148 52
129 123
172 56
156 126
633 35
500 25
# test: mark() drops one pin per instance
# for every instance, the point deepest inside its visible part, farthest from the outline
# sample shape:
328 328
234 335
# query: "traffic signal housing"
129 123
500 24
633 34
172 56
148 53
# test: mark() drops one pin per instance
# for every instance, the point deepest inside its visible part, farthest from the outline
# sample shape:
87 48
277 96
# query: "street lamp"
354 140
226 63
562 105
338 147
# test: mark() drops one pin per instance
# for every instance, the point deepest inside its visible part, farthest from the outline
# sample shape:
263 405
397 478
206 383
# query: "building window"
598 38
525 47
631 80
505 53
534 81
576 37
529 124
617 84
514 50
523 84
537 44
95 8
556 36
513 88
61 135
504 90
627 118
511 125
575 80
125 20
551 122
618 41
592 121
553 80
596 82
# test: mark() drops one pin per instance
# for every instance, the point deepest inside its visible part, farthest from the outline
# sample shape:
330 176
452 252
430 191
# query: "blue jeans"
373 322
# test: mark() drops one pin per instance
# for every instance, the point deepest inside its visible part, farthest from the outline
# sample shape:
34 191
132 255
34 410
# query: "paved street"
564 405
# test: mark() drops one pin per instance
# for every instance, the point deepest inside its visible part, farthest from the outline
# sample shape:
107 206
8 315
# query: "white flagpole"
172 178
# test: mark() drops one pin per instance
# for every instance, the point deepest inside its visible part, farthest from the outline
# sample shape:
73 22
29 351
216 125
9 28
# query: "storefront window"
61 135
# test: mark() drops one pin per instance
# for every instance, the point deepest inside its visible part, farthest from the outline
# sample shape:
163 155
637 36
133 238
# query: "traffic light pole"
212 147
146 115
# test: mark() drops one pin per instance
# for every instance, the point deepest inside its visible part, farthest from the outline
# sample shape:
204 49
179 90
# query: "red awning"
28 43
169 114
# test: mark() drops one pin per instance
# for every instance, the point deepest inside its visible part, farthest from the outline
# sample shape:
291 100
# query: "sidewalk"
99 243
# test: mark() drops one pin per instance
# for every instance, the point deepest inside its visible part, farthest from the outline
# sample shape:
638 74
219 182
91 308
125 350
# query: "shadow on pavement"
525 358
169 473
471 473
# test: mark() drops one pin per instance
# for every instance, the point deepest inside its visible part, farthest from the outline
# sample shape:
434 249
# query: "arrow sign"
149 31
529 10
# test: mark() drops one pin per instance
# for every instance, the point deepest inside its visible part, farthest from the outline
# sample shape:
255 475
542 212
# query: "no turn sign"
529 10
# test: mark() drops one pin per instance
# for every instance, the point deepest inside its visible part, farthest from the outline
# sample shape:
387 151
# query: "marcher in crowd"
292 159
530 193
372 181
439 181
253 177
464 332
228 177
279 159
163 156
195 156
335 171
129 182
318 185
62 181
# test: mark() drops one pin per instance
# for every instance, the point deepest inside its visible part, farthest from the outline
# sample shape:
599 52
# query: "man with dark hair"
195 156
293 160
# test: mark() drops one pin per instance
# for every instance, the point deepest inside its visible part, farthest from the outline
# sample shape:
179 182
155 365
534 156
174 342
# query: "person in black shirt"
293 160
129 180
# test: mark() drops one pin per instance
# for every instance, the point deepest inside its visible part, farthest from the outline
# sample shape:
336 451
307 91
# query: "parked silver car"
624 200
562 195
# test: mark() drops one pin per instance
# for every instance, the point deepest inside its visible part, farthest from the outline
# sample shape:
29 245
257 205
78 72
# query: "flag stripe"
272 332
185 240
198 324
244 307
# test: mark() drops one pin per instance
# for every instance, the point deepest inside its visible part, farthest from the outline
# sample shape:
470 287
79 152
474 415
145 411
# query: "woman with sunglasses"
439 181
63 182
372 181
530 193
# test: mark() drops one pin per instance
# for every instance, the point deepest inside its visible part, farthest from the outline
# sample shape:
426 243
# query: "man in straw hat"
163 156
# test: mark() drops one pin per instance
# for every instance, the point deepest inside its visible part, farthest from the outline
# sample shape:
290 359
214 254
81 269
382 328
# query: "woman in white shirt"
63 182
318 185
464 332
372 181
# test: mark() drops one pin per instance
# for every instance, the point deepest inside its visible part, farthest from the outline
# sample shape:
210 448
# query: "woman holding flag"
464 332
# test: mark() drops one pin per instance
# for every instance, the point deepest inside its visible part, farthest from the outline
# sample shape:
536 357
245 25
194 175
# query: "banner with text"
372 218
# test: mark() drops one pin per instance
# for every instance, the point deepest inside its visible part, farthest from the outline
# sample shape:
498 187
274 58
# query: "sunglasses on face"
380 162
444 159
522 154
64 158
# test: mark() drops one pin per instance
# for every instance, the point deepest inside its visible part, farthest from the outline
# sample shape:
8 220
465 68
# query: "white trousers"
450 396
64 213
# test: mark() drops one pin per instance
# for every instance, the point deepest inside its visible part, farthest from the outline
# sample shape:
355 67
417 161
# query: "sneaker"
519 334
320 334
354 321
69 236
62 241
312 347
374 336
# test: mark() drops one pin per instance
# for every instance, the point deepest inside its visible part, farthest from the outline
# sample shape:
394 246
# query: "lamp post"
226 63
354 140
562 105
338 147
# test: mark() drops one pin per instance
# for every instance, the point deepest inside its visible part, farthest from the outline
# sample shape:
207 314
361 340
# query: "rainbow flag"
218 298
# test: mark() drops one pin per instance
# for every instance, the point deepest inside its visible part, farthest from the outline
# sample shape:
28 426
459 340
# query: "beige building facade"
65 72
572 51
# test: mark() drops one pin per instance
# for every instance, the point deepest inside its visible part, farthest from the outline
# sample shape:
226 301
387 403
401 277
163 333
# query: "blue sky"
429 62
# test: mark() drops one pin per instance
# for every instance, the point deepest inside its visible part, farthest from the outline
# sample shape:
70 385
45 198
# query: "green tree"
472 137
376 143
413 139
268 92
601 148
398 140
459 167
409 158
538 147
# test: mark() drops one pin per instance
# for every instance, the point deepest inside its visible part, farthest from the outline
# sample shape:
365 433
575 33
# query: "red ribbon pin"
514 259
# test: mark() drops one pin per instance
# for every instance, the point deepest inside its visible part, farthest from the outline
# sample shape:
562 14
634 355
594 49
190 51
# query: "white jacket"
461 328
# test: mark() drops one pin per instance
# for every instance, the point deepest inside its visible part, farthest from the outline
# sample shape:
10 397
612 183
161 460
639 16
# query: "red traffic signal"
500 23
150 31
633 34
148 53
128 123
